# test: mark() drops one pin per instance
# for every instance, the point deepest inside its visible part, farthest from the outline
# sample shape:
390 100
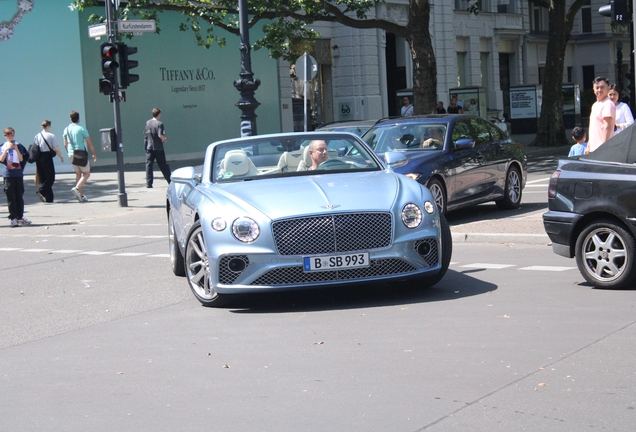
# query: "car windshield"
399 137
290 155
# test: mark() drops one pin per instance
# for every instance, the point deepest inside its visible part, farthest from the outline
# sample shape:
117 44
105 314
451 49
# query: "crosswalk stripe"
547 268
488 266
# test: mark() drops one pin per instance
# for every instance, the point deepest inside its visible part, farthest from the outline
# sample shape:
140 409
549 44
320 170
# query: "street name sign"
137 26
97 30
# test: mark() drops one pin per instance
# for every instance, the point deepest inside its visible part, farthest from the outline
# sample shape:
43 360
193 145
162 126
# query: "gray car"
240 224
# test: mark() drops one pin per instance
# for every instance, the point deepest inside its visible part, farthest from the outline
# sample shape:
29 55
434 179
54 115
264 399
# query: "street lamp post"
246 85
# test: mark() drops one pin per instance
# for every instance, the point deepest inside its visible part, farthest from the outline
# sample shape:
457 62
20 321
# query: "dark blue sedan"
464 160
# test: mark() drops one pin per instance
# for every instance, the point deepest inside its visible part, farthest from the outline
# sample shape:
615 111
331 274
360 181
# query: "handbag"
80 157
34 150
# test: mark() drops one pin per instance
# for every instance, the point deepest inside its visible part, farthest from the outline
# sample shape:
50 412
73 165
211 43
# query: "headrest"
307 157
236 162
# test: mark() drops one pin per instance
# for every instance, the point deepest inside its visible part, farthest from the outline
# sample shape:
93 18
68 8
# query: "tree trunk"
424 63
550 131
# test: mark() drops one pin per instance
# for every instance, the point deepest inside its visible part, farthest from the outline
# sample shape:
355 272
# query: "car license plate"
336 262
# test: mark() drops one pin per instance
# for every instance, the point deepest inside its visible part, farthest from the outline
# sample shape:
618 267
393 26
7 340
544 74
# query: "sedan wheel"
512 190
446 244
198 269
176 258
605 255
439 195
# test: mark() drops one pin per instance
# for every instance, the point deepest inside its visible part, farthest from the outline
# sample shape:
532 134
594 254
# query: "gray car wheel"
512 190
605 255
439 194
176 258
198 270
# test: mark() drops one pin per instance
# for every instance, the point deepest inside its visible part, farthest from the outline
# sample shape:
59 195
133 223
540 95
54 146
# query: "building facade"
363 73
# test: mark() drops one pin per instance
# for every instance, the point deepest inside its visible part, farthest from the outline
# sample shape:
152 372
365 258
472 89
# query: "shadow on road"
490 212
455 285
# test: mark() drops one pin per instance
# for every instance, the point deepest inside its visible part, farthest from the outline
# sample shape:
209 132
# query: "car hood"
292 196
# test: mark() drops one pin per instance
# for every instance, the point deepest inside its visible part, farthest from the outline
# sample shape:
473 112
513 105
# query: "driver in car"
435 140
318 152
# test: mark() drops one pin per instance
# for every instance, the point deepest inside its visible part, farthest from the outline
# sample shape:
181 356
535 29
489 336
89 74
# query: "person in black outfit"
44 165
154 137
440 108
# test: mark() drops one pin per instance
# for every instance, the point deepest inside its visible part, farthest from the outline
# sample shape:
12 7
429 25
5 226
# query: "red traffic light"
109 54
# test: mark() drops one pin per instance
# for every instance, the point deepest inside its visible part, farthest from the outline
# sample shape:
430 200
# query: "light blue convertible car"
302 210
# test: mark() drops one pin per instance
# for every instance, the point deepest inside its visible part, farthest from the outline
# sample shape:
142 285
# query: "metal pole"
305 90
111 23
246 85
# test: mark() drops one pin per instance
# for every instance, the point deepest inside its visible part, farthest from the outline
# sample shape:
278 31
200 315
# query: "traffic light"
108 52
126 78
616 10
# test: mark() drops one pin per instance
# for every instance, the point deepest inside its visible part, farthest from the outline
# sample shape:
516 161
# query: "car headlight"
414 176
218 224
245 229
411 216
429 207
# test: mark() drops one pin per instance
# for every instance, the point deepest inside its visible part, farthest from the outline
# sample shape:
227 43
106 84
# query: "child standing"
578 135
14 156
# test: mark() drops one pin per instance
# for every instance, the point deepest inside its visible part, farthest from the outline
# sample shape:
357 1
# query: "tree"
284 21
550 130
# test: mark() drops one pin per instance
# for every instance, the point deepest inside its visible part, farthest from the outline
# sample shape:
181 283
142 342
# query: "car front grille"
295 275
332 233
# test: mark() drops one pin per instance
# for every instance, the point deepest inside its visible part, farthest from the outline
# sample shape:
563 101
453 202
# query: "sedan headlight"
411 215
414 176
245 229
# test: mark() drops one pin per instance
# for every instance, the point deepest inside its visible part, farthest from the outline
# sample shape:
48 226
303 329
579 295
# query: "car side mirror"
183 175
395 159
464 143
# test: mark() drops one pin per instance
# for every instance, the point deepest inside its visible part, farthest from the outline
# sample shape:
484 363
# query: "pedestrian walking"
602 117
44 164
154 139
76 138
14 156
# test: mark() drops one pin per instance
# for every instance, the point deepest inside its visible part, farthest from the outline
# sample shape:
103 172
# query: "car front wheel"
199 271
512 190
439 194
446 244
605 255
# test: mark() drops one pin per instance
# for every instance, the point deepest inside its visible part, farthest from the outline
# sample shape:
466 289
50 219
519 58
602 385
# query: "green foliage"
282 20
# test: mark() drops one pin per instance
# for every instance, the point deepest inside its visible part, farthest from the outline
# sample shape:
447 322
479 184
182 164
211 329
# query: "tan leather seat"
238 164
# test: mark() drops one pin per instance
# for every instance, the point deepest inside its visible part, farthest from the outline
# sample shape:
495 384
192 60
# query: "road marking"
537 181
548 268
67 251
9 249
35 250
131 254
95 253
159 256
488 266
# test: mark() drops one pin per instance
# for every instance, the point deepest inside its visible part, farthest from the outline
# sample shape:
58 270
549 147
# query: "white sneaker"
83 198
24 221
14 223
76 194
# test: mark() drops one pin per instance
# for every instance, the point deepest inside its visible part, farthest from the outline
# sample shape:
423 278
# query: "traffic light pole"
111 24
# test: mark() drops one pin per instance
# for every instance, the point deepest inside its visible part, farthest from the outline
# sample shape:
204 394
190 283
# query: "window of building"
483 60
586 17
507 6
569 69
588 77
541 74
538 19
461 69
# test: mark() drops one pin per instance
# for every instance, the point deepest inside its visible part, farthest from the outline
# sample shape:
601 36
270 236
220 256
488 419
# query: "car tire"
605 254
446 244
439 194
176 258
512 190
198 269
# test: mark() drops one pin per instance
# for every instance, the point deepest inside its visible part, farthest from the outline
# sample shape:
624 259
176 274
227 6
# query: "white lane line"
9 249
67 251
488 266
131 254
35 250
537 181
95 253
548 268
159 256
